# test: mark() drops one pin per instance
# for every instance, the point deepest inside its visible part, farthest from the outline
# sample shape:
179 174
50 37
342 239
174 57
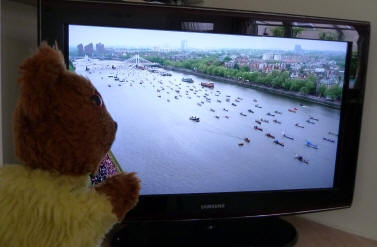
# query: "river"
174 155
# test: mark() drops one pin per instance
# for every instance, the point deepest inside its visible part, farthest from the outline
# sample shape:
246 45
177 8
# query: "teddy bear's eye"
96 99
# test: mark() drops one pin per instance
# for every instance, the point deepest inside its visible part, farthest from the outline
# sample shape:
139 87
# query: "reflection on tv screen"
205 113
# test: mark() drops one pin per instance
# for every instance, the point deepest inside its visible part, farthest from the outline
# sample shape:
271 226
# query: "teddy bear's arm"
123 192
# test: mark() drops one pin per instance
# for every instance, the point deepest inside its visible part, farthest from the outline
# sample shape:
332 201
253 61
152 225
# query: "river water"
173 155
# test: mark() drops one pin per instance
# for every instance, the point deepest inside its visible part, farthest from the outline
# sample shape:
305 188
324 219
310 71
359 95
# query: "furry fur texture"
62 131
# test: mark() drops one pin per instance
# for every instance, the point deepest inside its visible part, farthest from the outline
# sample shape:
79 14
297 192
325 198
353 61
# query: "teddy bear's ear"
39 75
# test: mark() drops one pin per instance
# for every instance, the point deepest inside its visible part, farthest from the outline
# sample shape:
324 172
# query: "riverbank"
290 94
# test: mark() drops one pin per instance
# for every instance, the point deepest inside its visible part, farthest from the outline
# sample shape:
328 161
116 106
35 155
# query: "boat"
311 145
332 133
234 104
300 126
276 121
212 110
247 140
257 128
278 112
276 141
258 106
291 110
264 120
227 117
315 119
187 79
329 140
255 100
225 109
287 136
207 84
251 111
195 119
300 158
242 114
270 136
258 122
217 116
219 101
311 122
269 114
227 100
240 144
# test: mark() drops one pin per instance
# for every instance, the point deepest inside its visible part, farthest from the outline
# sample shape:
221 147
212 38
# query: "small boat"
269 114
290 110
234 104
247 140
264 120
258 106
329 140
300 158
217 116
225 109
199 104
258 122
332 133
212 110
219 101
227 100
207 84
109 85
257 128
251 111
278 112
175 97
287 136
311 145
242 114
188 79
240 144
300 126
159 96
276 141
270 136
311 122
276 121
168 100
255 100
227 117
119 85
315 119
195 119
295 109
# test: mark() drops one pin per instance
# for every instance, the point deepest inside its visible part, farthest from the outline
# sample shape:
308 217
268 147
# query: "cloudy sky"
145 38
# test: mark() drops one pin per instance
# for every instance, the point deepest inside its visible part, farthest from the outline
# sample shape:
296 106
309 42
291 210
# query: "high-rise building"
183 45
80 50
100 48
88 49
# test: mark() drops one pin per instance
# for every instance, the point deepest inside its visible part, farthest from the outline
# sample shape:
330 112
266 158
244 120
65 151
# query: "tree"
278 31
322 90
245 68
334 92
236 66
327 36
227 59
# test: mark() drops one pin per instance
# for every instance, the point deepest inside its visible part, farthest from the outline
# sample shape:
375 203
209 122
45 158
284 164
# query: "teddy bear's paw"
123 191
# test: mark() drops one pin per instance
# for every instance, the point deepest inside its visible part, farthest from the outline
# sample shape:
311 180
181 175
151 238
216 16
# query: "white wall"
361 218
19 39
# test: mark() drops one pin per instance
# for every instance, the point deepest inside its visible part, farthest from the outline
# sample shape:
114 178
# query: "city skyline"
142 38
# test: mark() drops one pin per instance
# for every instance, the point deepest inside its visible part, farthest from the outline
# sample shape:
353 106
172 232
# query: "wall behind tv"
19 37
361 218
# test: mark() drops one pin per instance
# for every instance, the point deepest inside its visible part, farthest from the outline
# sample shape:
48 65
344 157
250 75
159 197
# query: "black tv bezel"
55 15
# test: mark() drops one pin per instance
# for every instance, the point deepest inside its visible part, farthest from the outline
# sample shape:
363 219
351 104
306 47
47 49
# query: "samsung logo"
212 206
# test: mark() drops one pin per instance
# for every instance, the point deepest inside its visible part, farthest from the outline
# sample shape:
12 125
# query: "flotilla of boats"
195 90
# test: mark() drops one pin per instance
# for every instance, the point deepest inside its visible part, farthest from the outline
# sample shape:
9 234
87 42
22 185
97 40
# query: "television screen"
209 113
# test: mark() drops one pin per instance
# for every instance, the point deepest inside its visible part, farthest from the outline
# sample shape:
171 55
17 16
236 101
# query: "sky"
146 38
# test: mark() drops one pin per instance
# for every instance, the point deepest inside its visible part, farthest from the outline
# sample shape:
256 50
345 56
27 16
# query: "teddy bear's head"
60 122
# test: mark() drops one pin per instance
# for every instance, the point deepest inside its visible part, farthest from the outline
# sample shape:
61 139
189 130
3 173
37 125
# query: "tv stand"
250 232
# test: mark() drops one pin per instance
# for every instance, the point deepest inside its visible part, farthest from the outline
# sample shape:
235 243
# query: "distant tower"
80 50
298 48
183 45
100 48
88 49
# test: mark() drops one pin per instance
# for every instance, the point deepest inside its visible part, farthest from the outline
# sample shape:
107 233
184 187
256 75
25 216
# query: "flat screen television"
225 115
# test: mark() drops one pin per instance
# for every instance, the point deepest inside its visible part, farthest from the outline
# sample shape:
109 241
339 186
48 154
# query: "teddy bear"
62 131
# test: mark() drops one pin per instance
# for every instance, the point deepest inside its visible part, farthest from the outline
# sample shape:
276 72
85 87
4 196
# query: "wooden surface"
311 234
